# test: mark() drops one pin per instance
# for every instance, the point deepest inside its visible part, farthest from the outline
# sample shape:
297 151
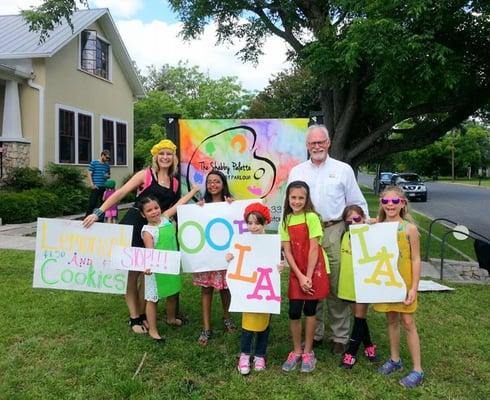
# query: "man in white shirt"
333 186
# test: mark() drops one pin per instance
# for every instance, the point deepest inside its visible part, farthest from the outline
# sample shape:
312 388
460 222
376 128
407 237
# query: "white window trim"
109 78
115 121
77 111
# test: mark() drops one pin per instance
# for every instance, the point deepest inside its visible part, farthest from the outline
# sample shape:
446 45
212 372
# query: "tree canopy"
375 64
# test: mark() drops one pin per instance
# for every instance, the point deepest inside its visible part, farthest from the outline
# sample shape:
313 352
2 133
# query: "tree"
376 63
471 144
186 91
290 94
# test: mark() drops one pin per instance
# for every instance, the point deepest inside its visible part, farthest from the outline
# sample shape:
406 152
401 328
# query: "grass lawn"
466 181
74 345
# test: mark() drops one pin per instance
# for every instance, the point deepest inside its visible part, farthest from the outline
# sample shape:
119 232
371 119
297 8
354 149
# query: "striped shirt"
100 172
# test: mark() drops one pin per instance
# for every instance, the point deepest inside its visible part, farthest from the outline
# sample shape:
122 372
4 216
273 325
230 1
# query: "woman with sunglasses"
394 208
353 215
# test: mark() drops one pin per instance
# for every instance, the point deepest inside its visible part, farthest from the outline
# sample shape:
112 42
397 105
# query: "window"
115 139
94 54
74 129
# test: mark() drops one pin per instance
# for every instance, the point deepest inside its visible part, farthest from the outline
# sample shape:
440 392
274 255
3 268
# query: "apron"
300 246
167 284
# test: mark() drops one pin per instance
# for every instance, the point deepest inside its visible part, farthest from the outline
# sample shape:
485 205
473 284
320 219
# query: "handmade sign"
375 260
252 275
140 259
256 155
69 256
206 232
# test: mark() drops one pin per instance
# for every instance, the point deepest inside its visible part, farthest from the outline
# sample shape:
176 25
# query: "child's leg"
246 341
206 300
394 334
225 301
151 315
261 342
171 307
309 310
132 300
412 340
295 307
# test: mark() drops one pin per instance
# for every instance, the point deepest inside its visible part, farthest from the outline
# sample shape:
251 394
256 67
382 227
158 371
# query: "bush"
47 203
71 200
24 178
17 208
65 176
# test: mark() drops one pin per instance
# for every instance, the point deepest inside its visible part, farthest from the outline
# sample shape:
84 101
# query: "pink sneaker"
259 363
370 353
244 364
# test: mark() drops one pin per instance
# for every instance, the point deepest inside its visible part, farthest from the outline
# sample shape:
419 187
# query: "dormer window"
95 54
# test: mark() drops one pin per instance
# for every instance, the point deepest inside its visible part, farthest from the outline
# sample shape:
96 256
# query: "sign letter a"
264 275
384 260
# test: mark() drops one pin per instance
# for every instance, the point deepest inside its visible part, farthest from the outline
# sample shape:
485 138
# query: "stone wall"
15 154
462 271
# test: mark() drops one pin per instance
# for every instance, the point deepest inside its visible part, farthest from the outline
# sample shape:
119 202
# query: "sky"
150 31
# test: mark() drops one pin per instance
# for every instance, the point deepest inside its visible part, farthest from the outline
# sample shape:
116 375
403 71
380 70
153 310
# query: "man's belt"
328 224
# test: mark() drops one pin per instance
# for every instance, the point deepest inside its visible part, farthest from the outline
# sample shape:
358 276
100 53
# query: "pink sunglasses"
394 200
355 219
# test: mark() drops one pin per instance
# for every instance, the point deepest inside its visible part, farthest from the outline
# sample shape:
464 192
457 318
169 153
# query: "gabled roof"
16 41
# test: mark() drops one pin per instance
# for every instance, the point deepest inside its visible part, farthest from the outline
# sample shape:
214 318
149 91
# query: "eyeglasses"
355 219
318 143
394 200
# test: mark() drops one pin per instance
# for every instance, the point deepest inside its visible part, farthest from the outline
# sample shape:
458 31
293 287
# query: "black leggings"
307 306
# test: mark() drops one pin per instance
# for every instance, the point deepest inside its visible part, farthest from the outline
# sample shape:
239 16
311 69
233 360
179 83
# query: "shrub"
71 200
25 178
65 176
16 208
47 203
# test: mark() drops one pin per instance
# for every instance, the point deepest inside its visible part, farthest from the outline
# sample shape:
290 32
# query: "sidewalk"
23 236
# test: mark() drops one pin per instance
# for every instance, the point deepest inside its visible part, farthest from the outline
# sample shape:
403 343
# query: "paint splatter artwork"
256 156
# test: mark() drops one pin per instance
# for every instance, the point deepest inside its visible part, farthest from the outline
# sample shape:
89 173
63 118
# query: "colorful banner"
206 232
375 263
142 259
71 257
255 155
252 275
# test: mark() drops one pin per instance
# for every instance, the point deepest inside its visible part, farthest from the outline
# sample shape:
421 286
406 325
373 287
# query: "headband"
163 144
258 208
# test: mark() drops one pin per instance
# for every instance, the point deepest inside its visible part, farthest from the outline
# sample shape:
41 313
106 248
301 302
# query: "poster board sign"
431 286
71 257
375 263
140 259
206 232
252 275
256 156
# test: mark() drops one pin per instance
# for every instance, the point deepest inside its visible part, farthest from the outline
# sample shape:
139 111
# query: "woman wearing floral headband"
157 181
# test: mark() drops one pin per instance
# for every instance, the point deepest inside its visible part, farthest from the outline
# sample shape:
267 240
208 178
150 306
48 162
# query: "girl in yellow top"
353 215
394 208
256 215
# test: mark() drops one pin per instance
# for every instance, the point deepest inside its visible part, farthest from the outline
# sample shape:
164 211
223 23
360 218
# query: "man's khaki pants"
338 311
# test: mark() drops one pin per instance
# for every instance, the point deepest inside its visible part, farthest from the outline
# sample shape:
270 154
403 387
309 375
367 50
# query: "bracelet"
98 212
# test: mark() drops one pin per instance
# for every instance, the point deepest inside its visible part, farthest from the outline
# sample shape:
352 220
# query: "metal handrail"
443 242
473 235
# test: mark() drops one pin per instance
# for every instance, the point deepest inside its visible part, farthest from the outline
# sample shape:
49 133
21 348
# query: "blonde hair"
404 213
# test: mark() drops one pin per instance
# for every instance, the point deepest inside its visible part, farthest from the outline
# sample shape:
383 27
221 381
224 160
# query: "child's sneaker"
370 353
259 363
413 379
291 361
308 362
244 364
348 361
390 366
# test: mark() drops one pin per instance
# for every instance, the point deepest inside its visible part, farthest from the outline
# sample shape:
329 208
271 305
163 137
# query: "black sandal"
137 322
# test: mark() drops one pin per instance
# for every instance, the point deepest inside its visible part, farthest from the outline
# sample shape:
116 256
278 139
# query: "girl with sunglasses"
394 208
353 215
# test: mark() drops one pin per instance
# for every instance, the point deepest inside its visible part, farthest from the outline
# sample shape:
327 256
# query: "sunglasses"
394 200
318 143
355 219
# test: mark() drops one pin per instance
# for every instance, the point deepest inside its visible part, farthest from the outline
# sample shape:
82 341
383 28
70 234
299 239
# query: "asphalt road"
466 205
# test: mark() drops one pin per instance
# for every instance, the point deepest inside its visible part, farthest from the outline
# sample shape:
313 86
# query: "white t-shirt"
333 186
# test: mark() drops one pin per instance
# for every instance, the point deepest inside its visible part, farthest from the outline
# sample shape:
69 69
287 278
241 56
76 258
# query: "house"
68 98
